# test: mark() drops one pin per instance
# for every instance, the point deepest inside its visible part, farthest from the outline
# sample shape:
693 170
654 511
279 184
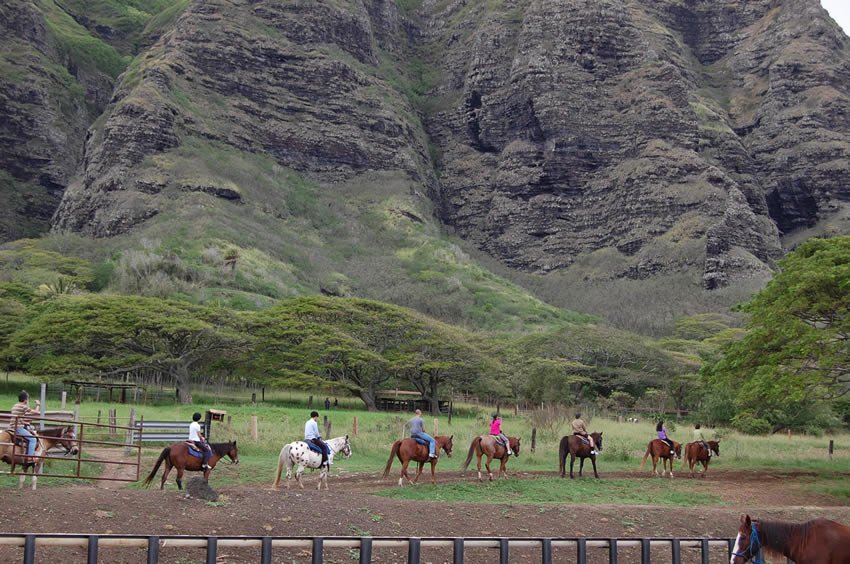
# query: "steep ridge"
675 132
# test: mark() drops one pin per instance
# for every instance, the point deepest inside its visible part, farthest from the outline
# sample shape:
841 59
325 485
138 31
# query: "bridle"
754 549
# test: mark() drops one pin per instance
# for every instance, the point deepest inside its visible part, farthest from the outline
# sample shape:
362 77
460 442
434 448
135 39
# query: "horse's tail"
475 442
393 454
166 452
284 455
646 455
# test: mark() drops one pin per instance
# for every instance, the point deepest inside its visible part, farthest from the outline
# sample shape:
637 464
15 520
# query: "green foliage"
794 358
26 262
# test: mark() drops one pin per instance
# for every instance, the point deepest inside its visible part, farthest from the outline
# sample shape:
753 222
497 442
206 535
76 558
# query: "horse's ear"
450 438
346 437
600 433
746 521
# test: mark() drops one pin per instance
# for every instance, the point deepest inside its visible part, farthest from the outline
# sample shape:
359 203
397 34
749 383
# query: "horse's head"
447 446
514 441
232 452
747 543
677 448
714 446
346 448
597 439
68 439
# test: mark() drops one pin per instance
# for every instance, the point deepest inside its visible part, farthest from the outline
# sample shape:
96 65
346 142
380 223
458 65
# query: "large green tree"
795 356
107 335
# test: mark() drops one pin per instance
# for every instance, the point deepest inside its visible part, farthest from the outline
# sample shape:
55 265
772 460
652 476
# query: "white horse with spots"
299 454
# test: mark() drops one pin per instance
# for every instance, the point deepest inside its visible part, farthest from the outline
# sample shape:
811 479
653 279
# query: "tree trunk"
435 396
369 399
184 391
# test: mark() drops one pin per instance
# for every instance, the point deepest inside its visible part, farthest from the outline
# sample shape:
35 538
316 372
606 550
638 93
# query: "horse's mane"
775 535
221 449
53 431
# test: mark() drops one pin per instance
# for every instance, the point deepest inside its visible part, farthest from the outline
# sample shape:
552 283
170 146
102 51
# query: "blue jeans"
432 444
31 441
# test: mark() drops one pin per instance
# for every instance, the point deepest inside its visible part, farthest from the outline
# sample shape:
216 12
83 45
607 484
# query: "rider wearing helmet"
311 435
496 431
19 422
662 434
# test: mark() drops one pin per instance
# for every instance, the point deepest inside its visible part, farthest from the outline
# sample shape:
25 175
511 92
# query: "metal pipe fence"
576 549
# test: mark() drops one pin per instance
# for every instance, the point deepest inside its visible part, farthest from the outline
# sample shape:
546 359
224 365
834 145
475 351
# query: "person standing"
311 435
496 431
417 431
19 423
580 428
196 436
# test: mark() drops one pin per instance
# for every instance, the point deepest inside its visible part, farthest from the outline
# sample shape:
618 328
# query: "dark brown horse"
577 447
408 449
696 452
47 439
659 449
177 456
487 445
820 541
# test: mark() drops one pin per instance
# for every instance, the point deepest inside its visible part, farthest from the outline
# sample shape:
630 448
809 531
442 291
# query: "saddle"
582 438
193 450
420 441
313 447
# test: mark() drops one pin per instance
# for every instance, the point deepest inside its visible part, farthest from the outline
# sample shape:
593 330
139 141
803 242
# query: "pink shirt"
496 427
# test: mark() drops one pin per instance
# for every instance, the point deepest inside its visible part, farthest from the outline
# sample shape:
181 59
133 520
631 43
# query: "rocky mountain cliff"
640 137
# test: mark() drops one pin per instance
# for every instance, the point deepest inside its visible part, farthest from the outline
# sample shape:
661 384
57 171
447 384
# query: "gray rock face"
688 135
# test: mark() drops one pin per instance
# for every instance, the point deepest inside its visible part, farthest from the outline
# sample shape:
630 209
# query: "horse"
659 449
408 449
47 439
696 452
489 446
299 453
820 541
177 456
578 448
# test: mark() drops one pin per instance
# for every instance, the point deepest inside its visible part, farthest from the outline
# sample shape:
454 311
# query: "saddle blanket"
193 451
420 441
313 447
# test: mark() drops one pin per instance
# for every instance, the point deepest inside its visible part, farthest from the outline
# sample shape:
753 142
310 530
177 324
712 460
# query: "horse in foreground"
659 449
177 456
487 445
47 439
299 454
696 452
820 541
408 449
577 447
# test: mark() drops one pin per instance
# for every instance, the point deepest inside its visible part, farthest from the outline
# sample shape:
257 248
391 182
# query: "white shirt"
195 431
311 430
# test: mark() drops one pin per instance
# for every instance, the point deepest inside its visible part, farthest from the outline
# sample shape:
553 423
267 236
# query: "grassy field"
281 419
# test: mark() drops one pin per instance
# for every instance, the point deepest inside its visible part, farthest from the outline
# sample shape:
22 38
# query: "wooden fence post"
831 448
131 423
354 428
436 427
254 430
253 398
64 398
43 405
328 430
533 438
451 409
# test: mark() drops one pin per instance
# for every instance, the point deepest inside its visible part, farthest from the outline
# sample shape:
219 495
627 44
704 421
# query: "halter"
750 553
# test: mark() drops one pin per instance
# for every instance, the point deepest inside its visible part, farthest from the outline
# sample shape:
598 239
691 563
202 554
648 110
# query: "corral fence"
575 549
88 435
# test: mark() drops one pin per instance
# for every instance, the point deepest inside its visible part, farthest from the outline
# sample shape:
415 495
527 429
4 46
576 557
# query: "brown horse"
177 456
487 445
408 449
577 448
696 452
659 449
820 541
47 439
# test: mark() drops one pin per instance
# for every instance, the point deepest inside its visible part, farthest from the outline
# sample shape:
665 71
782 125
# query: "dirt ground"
350 508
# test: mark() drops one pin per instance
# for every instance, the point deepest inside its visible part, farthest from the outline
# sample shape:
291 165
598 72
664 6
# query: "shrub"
747 423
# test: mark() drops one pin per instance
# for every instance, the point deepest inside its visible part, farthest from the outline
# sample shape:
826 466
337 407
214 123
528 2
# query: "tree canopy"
794 360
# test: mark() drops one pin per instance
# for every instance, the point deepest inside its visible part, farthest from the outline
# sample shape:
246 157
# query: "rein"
750 552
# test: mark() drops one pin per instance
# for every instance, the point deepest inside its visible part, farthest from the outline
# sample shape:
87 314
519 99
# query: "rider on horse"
662 434
311 435
496 431
417 431
580 429
20 423
196 437
700 438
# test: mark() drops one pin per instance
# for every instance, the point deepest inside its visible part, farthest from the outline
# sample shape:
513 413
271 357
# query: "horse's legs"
487 465
433 471
179 479
404 474
580 466
480 454
503 466
323 476
165 471
572 463
671 467
419 472
298 472
655 464
593 460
